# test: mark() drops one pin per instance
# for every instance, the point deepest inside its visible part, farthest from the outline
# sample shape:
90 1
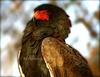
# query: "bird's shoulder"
52 47
60 57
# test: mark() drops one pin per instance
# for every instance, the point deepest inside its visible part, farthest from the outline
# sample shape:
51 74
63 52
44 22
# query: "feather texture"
63 60
31 61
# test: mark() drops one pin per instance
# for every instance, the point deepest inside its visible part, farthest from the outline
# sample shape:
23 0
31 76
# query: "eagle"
44 52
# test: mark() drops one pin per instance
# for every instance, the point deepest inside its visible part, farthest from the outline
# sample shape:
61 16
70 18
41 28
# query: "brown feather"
63 60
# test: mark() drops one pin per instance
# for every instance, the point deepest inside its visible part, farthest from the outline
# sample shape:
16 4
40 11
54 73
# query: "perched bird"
44 52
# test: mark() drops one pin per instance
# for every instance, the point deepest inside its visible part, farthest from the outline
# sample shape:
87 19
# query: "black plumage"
57 25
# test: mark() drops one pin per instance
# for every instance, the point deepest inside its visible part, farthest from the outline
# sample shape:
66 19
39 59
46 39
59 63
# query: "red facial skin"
41 15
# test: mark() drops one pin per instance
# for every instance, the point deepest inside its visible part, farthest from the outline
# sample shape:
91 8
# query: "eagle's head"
51 16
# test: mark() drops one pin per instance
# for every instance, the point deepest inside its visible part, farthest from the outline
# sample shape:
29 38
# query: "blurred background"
84 36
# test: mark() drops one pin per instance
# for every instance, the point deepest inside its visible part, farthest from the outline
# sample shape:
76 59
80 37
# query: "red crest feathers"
41 15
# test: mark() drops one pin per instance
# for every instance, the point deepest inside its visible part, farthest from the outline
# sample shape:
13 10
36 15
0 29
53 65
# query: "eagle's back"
64 61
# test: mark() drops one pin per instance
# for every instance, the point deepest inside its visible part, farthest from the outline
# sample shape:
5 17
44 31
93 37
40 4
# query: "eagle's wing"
62 60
